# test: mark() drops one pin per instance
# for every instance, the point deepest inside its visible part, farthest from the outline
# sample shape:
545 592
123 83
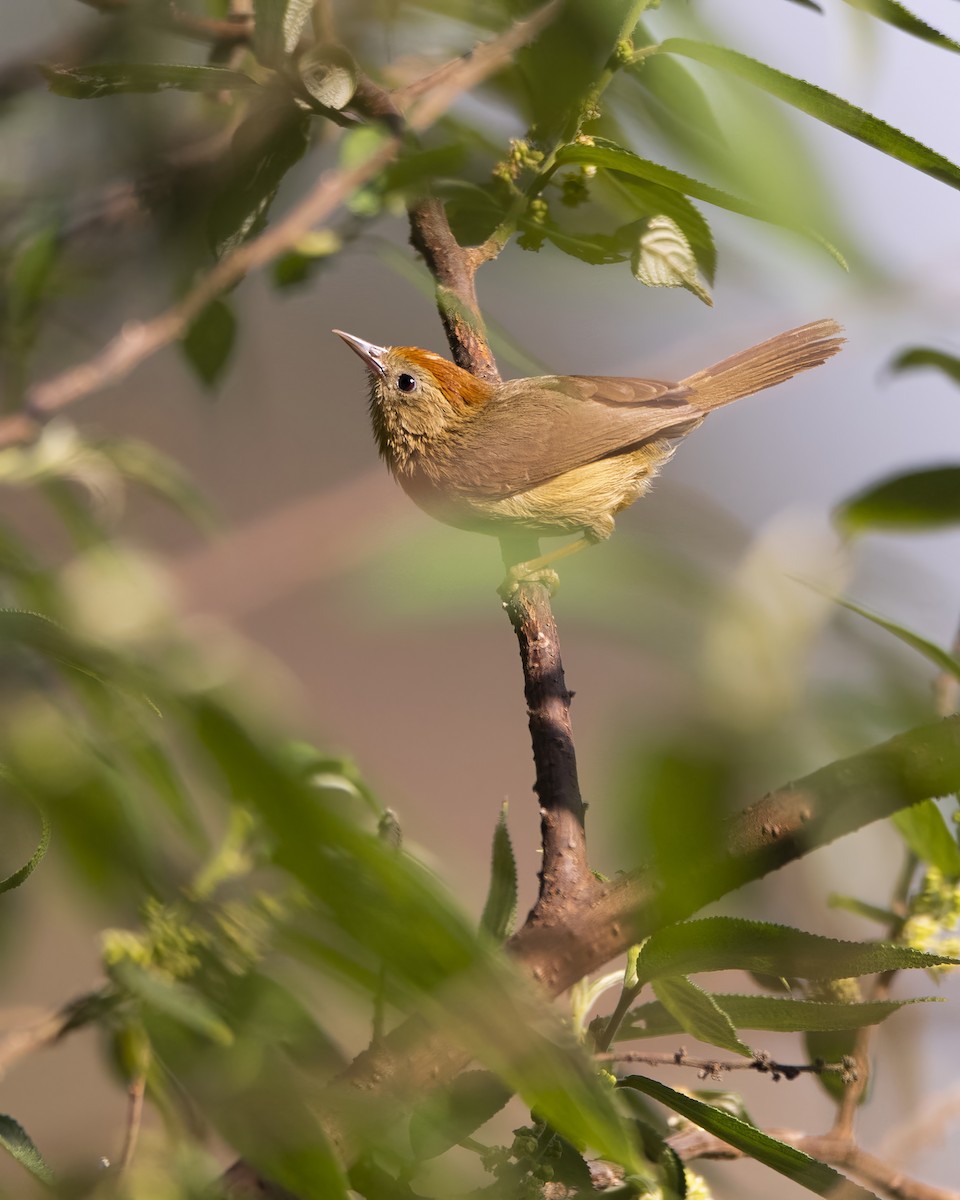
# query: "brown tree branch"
693 1143
27 1032
782 827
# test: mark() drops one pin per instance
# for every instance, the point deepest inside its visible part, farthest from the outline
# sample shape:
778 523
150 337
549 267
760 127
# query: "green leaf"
602 153
675 96
652 200
778 1014
19 876
16 1141
209 340
28 277
111 79
823 106
917 500
500 908
171 998
143 464
453 1113
311 251
940 658
697 1012
925 831
269 37
46 637
732 943
860 908
794 1164
895 14
330 76
663 258
383 904
926 356
832 1045
265 146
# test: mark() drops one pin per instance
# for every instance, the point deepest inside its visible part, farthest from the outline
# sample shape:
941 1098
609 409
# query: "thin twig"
135 1094
45 1027
712 1068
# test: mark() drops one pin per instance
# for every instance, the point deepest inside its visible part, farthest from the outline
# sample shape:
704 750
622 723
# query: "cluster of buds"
933 916
520 157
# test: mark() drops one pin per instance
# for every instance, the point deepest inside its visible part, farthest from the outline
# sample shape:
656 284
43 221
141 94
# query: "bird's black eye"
406 383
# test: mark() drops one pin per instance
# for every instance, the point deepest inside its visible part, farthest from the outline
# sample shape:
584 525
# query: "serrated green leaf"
697 1012
17 877
171 998
794 1164
17 1143
823 106
927 499
501 904
940 658
111 79
926 356
777 1014
209 340
925 831
663 258
895 14
594 248
330 75
452 1113
732 943
602 153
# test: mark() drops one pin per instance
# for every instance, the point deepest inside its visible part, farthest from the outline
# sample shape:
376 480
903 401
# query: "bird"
552 454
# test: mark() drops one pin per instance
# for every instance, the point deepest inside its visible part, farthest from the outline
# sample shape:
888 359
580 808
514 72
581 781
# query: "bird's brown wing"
537 429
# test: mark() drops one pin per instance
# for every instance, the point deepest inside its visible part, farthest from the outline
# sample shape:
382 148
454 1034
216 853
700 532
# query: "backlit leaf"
732 943
823 106
17 1143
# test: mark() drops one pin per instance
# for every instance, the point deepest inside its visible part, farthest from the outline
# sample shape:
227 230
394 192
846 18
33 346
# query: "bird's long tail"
765 365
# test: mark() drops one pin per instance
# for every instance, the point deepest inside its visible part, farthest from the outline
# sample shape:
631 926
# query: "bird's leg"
539 569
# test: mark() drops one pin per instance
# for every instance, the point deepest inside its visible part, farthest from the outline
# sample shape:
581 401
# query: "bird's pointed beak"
372 355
